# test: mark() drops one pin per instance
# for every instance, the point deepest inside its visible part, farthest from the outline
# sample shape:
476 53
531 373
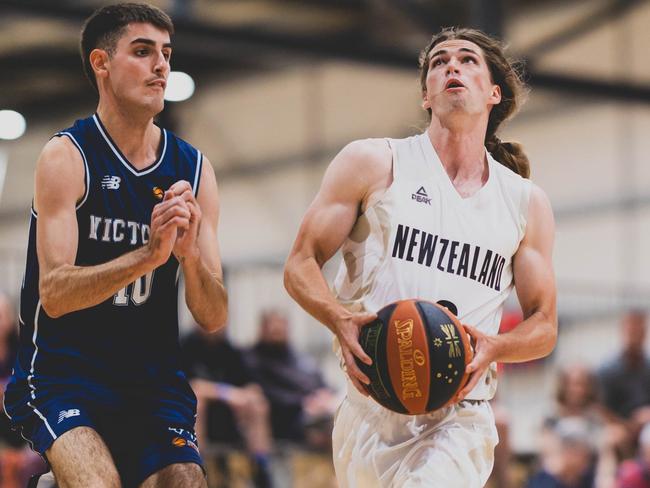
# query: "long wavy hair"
504 72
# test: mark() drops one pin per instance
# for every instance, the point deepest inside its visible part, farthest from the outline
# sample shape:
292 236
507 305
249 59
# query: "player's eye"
436 62
469 59
141 52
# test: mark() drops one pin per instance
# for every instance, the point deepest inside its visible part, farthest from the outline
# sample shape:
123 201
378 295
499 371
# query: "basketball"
419 352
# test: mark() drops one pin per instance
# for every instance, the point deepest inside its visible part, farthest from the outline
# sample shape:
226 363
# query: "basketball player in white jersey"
445 216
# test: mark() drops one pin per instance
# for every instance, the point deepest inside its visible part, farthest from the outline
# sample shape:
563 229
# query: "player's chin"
154 103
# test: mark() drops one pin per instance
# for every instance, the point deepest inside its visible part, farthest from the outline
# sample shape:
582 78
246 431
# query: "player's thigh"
188 475
80 458
454 458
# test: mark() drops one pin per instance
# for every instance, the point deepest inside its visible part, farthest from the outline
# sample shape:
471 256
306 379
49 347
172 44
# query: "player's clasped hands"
347 331
175 224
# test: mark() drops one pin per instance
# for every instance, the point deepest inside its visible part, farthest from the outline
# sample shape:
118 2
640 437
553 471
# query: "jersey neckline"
433 159
116 150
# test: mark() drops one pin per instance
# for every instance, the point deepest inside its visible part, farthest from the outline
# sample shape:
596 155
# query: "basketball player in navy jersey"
121 208
448 215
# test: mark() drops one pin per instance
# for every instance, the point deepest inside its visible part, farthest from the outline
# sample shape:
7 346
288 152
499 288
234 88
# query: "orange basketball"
419 351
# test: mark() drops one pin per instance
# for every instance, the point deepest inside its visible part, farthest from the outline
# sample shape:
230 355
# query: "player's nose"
161 67
452 66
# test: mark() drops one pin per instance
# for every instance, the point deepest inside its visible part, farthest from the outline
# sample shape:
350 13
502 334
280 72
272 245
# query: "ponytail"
509 154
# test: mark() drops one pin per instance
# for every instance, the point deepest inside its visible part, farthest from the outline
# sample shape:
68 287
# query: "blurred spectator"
231 408
577 396
17 461
625 380
636 473
571 462
302 407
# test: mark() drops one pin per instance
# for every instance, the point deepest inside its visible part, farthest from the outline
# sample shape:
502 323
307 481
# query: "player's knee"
180 474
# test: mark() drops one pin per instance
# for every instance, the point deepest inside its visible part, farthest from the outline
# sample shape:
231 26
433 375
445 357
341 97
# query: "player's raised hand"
167 218
484 354
186 245
347 331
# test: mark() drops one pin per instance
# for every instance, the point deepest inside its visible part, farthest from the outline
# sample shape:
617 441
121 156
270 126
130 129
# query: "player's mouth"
158 83
454 84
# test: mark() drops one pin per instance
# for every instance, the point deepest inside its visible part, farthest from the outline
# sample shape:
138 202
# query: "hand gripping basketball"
420 352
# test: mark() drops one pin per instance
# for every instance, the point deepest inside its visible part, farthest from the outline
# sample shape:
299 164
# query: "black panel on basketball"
372 338
440 329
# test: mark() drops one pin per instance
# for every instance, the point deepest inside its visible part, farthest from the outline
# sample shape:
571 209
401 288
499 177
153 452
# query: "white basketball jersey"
422 240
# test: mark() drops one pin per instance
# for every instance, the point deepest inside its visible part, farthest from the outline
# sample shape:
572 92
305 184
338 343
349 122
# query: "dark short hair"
107 24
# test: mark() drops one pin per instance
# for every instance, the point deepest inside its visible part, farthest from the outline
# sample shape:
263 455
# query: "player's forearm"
533 338
305 283
205 295
68 288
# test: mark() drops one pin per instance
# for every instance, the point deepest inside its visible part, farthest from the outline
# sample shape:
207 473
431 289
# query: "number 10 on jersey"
139 290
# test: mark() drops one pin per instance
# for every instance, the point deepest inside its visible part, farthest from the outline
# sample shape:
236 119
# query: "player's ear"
99 61
495 96
425 101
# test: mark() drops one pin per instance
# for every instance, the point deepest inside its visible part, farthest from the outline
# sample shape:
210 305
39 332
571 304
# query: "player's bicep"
208 200
59 184
533 263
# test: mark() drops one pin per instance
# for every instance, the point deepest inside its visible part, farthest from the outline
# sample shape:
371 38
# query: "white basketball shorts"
374 447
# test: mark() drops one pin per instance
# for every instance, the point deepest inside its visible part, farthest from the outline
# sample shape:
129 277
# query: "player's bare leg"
187 475
80 458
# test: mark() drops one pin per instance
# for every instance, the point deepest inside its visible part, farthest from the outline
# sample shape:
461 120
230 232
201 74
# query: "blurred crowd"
264 401
599 432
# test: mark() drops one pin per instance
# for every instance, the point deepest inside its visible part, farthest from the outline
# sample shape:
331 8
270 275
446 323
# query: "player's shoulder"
60 152
365 156
539 201
368 149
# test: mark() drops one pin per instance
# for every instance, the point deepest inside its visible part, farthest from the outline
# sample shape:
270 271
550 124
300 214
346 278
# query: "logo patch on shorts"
66 414
179 442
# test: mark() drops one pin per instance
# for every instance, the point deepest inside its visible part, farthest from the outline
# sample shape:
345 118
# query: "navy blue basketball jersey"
131 339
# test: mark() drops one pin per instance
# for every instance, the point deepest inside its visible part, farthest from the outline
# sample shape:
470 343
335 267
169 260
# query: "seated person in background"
576 401
17 461
296 391
571 462
625 380
231 408
635 473
577 396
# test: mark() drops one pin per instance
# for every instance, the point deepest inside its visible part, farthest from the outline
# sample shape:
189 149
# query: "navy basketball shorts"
144 429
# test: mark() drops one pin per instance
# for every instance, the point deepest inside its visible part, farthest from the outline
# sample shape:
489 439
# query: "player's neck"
460 147
135 134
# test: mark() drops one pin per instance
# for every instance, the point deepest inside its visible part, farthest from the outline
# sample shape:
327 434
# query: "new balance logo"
111 182
66 414
421 196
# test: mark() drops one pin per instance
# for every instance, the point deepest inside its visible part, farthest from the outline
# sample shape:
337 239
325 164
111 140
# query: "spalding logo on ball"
419 351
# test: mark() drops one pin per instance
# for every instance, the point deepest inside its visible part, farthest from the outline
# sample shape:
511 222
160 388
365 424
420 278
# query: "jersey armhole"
380 195
197 174
524 206
86 169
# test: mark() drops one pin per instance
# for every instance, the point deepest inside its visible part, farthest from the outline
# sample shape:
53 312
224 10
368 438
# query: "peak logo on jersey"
66 414
158 193
421 196
111 182
179 442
